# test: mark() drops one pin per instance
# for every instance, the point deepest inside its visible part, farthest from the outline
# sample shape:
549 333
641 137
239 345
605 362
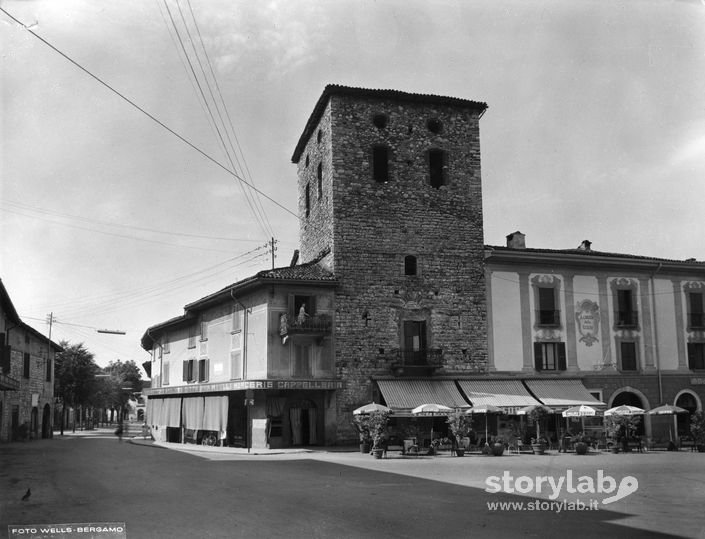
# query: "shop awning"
560 394
510 395
405 395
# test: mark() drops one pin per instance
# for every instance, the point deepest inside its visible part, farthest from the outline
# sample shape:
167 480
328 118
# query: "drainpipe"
655 322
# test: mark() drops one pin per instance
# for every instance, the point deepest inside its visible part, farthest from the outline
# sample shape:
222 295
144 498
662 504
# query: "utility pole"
273 245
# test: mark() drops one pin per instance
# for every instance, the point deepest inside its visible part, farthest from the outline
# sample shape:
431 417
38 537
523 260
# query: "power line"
150 116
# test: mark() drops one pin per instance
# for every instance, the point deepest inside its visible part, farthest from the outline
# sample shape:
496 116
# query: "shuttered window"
549 356
628 358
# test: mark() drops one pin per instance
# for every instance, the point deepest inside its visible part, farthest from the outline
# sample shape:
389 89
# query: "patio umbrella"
580 411
624 410
668 409
485 409
431 409
371 407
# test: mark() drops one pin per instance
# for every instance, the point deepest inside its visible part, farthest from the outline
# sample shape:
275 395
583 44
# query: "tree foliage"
74 374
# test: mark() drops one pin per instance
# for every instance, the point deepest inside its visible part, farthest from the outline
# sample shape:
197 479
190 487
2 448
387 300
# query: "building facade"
26 377
630 328
397 300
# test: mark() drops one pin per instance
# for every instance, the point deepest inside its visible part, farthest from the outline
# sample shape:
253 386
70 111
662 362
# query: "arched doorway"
628 398
303 418
688 402
46 422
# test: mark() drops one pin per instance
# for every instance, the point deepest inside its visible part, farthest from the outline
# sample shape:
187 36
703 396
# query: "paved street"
161 492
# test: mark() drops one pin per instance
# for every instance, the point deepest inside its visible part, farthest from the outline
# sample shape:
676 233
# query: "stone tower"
390 199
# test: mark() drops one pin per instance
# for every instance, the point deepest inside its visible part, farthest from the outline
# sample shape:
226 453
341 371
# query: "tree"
74 376
120 381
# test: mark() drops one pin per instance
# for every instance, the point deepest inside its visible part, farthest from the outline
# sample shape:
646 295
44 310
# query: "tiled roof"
304 272
336 89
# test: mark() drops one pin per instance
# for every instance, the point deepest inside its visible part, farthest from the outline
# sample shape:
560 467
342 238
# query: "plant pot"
498 450
460 452
538 449
581 448
701 448
615 449
377 453
364 447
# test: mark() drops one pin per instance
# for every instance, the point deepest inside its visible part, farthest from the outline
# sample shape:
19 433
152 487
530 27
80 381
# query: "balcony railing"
317 324
626 319
546 317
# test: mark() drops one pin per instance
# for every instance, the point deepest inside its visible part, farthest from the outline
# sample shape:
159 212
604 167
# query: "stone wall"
370 227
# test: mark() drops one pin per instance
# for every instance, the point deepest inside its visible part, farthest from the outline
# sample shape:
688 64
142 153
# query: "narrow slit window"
410 265
436 162
380 164
308 200
320 180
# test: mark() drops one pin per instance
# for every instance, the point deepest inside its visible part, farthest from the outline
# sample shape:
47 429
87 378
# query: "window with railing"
547 314
626 315
413 350
628 360
696 310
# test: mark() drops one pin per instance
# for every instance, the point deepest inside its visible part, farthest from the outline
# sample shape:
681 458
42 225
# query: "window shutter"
561 356
291 305
185 376
312 305
691 355
538 356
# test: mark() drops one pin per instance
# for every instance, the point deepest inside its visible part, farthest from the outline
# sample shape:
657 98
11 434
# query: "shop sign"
697 381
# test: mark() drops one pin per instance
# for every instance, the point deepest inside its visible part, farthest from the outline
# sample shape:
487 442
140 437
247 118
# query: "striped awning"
562 393
405 395
510 395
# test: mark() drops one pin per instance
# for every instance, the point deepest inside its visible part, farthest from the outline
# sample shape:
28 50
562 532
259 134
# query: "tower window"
320 180
319 136
434 125
436 162
380 120
410 265
307 160
380 164
308 200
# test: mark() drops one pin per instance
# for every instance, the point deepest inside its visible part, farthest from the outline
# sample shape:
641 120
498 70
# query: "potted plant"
361 423
459 424
580 445
697 430
536 414
377 423
497 447
620 428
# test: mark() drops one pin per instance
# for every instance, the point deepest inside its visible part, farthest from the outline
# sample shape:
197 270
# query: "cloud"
690 151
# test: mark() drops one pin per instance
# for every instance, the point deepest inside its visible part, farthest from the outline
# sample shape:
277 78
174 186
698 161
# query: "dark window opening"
549 356
48 377
434 125
626 315
380 120
548 315
296 303
410 265
307 160
436 162
696 316
696 356
189 374
380 164
308 200
319 136
414 345
25 369
628 356
320 179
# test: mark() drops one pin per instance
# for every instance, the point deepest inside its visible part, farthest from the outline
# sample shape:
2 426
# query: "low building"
26 377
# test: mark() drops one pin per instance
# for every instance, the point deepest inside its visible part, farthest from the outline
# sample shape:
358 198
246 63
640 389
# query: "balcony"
626 319
314 325
546 317
416 362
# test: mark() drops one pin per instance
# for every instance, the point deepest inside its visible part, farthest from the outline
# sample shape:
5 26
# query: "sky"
119 205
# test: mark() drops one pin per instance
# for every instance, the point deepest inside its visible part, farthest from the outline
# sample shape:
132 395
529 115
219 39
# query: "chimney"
585 245
294 258
515 240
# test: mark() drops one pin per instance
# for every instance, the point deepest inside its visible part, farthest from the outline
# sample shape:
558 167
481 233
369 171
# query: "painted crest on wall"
587 316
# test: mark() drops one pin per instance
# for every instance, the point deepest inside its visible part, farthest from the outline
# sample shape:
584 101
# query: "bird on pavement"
26 495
